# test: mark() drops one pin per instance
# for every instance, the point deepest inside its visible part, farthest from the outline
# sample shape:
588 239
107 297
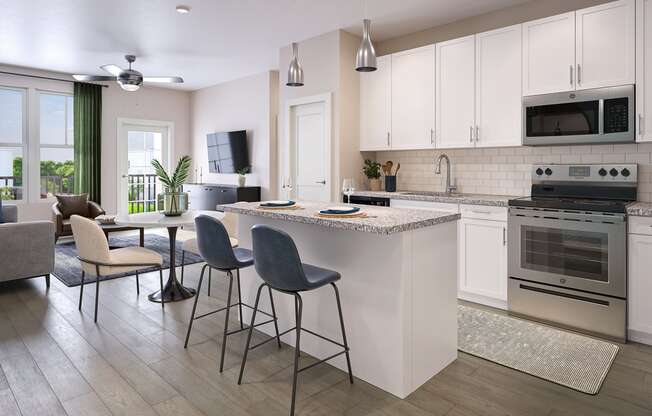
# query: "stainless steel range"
568 248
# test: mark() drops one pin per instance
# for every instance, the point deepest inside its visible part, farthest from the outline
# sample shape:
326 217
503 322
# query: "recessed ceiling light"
183 9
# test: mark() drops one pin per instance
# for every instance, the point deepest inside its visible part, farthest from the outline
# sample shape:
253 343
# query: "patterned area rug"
571 360
68 270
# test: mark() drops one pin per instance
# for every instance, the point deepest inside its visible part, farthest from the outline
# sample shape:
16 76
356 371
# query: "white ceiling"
218 40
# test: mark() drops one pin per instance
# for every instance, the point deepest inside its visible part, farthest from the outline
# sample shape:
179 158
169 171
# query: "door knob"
322 182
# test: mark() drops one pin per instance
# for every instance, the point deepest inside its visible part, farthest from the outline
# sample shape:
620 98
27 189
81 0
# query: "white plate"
340 208
280 202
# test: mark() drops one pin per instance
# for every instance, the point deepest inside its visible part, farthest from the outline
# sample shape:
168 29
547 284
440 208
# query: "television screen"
227 151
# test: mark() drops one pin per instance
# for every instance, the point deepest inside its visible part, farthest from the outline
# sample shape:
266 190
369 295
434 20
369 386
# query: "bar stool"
278 263
215 248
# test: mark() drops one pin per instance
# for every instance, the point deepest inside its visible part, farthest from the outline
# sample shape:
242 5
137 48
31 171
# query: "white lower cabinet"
482 250
639 288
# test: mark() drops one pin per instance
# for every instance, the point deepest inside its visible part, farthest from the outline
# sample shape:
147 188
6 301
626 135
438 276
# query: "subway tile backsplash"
506 171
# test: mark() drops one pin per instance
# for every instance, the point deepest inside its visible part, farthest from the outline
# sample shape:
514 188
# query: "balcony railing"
142 192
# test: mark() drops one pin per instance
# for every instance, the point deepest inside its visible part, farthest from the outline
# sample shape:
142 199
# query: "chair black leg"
183 262
346 344
97 291
81 290
160 276
271 302
298 311
237 271
226 318
47 281
210 278
194 307
251 331
137 284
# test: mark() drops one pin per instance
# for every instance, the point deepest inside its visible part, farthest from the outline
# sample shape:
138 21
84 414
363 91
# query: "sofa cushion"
73 205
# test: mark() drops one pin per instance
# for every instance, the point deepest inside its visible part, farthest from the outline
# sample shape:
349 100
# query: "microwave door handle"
600 117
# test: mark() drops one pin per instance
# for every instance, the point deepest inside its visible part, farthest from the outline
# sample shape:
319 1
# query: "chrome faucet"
449 188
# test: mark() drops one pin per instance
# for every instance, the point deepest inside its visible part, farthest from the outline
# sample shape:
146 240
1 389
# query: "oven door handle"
600 117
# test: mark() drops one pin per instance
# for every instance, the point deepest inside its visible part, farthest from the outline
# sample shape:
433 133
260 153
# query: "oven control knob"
613 172
539 171
548 171
602 172
625 172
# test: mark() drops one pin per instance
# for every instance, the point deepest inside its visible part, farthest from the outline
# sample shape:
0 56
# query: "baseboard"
482 300
639 336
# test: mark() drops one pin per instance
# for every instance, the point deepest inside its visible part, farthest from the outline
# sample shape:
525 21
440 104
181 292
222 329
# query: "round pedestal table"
173 290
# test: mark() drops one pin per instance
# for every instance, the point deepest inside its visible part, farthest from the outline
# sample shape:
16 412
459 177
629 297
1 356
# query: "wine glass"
288 186
348 187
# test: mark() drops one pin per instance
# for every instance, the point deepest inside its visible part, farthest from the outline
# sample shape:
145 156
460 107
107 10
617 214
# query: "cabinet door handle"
432 136
470 134
388 145
571 75
579 74
504 236
477 133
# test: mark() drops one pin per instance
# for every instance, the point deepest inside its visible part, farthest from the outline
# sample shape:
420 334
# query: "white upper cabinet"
413 98
498 87
376 106
605 37
644 70
455 93
549 54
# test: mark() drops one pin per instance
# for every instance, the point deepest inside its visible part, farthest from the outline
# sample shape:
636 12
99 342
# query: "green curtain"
88 139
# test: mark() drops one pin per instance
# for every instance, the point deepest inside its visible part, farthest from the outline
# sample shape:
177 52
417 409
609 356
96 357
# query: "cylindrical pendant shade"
365 59
295 72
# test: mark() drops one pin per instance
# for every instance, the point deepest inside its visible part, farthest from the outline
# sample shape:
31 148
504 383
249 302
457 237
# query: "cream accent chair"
98 260
230 222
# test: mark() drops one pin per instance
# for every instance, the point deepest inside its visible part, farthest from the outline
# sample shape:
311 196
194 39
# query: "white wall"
249 104
147 103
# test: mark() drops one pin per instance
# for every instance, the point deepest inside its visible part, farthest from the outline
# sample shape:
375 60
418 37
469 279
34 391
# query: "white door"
498 87
413 98
606 45
376 106
483 258
640 283
455 92
310 152
138 186
644 70
549 54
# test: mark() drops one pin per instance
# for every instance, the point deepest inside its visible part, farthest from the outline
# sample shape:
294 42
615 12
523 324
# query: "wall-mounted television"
228 152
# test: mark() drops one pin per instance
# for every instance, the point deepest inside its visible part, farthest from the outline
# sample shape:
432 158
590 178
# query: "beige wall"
518 14
245 104
328 64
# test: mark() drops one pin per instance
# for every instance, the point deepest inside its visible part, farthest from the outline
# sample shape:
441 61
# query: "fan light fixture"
365 59
183 9
295 72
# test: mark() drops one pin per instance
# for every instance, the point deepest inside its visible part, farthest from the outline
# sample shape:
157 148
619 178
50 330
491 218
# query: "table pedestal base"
173 290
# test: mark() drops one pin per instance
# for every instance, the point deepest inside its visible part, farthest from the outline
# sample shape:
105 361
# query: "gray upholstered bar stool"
215 248
278 263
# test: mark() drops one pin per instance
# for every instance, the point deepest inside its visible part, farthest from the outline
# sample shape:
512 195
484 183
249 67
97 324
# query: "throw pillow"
73 205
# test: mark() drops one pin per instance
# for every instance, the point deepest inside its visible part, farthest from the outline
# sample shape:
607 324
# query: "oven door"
580 251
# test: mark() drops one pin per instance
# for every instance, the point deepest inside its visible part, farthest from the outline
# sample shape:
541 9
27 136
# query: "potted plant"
371 170
172 201
242 176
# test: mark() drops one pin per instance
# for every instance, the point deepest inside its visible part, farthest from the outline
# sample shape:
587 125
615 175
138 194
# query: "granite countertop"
471 199
640 209
380 220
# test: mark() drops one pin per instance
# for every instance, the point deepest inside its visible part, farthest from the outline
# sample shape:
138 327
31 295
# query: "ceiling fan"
128 79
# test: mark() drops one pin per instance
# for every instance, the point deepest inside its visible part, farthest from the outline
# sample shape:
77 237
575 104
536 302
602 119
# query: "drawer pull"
482 212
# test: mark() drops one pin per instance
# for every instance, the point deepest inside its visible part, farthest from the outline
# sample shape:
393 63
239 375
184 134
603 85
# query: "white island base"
399 298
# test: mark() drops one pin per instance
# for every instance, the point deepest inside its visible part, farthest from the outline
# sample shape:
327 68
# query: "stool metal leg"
81 289
183 262
194 306
240 299
346 345
251 330
298 310
271 302
137 284
210 277
226 318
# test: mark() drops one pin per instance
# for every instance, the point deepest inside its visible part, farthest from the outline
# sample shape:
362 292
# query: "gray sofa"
26 248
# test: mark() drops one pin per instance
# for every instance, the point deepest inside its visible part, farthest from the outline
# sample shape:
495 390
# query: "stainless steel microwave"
600 115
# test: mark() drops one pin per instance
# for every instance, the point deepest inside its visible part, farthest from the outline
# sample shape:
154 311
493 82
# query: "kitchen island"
398 288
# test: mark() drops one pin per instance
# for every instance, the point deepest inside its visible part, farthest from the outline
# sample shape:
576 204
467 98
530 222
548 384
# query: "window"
12 142
56 144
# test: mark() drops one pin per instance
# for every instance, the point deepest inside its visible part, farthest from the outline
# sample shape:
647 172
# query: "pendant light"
365 59
295 72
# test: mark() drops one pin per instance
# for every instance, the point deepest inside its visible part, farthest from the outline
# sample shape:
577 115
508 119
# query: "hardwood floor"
55 361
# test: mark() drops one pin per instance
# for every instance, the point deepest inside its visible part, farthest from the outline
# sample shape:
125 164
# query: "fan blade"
112 69
86 78
178 80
